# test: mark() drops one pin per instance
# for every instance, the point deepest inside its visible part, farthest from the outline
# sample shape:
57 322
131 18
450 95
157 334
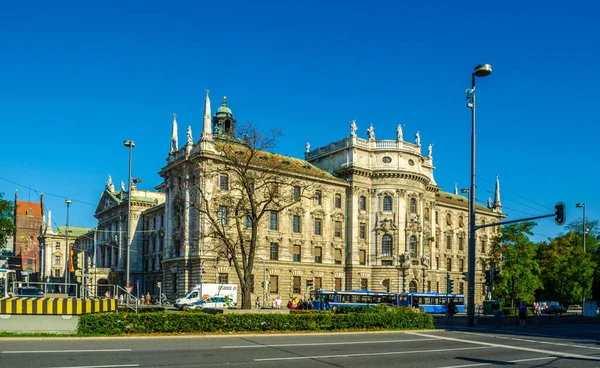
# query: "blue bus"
431 302
332 299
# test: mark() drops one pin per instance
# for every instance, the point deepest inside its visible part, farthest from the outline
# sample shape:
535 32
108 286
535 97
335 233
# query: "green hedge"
190 322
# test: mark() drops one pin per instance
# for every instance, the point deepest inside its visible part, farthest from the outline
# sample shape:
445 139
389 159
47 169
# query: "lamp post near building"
264 282
582 205
481 70
67 251
130 144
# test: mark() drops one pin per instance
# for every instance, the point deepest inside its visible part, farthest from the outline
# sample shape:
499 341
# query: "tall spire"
455 188
174 144
497 203
206 129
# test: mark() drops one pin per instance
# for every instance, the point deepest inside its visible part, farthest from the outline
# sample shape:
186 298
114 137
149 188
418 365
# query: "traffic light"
465 276
488 277
495 275
449 284
560 213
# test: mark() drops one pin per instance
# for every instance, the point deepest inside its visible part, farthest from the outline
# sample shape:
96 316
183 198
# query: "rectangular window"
224 182
296 193
274 252
273 220
223 278
30 261
429 286
437 287
483 246
56 273
318 255
338 256
362 203
449 264
337 284
362 257
248 220
461 243
461 288
362 231
437 215
337 229
274 284
318 198
296 254
296 285
338 201
461 265
437 263
387 262
448 241
56 260
296 223
275 190
318 283
318 229
222 215
364 284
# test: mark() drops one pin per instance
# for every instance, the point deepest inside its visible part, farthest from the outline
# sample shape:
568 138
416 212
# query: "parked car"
554 308
30 291
211 302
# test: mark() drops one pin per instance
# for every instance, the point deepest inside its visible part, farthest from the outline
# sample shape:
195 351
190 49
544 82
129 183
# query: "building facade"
29 218
373 217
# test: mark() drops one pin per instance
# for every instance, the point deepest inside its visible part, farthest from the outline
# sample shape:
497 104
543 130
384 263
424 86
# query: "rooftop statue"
399 132
190 139
371 132
417 139
353 128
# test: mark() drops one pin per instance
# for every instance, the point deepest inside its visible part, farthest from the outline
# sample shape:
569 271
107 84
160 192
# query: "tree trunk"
246 294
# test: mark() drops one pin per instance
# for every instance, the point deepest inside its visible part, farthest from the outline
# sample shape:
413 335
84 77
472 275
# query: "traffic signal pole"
560 216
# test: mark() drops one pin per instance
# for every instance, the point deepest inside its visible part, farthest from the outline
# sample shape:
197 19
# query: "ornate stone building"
28 217
375 219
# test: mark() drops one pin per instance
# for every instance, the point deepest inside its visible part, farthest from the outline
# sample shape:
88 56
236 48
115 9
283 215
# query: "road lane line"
368 354
541 351
497 362
319 344
536 341
61 351
99 366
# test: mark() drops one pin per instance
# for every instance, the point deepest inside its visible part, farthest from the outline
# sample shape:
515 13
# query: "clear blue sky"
78 78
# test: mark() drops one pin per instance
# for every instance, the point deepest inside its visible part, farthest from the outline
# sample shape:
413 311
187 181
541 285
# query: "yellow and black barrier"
55 306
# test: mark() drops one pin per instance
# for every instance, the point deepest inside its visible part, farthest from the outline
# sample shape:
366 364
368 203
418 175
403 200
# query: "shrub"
192 322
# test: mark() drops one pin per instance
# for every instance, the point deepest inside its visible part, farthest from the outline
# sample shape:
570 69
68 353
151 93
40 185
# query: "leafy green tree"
570 274
7 223
514 256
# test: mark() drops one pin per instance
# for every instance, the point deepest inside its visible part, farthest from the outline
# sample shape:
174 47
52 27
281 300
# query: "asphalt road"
552 346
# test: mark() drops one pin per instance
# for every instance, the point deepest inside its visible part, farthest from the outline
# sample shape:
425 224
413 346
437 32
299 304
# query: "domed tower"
223 121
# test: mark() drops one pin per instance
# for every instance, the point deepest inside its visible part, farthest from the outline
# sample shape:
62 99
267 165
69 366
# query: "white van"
203 291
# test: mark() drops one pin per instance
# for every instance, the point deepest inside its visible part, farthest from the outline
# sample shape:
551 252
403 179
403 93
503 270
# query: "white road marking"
320 343
538 341
99 366
497 362
62 351
541 351
368 354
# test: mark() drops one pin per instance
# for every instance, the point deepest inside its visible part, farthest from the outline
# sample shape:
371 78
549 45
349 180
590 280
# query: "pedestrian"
522 313
497 309
278 302
257 303
148 298
451 309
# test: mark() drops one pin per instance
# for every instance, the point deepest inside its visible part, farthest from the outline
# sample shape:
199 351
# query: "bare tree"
239 188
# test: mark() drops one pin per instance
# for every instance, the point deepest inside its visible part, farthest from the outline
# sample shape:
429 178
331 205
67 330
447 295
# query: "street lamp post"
264 282
481 70
68 251
582 205
130 144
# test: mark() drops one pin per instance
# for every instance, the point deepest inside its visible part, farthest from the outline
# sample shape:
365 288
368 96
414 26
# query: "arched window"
412 246
413 205
387 285
412 287
387 203
448 219
386 246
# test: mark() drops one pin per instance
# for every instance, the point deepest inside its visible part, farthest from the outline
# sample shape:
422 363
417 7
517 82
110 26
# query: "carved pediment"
386 225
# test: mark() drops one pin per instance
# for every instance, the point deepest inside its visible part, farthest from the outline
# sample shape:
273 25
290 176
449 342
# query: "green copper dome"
224 111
